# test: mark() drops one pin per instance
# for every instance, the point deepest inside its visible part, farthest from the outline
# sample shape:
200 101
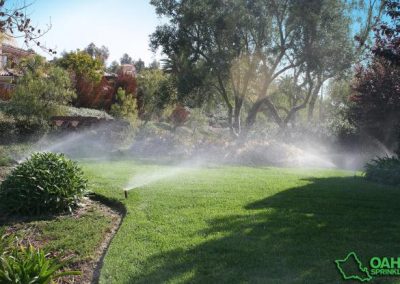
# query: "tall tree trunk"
236 116
313 100
228 104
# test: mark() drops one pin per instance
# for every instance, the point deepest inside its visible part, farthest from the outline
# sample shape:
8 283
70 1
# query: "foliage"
98 95
73 111
387 35
376 108
336 107
15 22
238 49
197 119
99 53
5 94
139 65
376 101
156 89
126 59
125 106
179 116
113 67
5 161
82 65
13 152
40 91
384 170
45 183
126 82
25 264
12 131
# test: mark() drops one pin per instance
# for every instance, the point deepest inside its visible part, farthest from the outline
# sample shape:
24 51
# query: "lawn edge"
121 210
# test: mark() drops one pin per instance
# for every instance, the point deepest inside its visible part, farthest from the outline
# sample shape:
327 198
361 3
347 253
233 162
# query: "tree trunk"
314 97
311 107
236 116
228 104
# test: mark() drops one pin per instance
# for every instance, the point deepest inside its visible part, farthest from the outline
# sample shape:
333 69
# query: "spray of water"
146 178
76 144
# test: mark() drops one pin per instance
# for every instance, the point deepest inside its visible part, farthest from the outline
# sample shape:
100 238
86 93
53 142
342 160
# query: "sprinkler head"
126 194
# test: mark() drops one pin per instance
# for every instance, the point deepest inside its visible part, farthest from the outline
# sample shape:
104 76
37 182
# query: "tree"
101 53
114 67
86 74
154 65
125 106
376 101
387 35
40 91
155 91
15 23
126 59
240 48
126 82
82 65
139 65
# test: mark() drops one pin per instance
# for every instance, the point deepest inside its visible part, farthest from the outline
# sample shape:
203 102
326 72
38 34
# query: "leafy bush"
46 182
384 170
5 161
20 129
125 106
179 116
40 91
22 264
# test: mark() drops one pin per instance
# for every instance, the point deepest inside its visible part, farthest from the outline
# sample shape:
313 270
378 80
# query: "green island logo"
351 268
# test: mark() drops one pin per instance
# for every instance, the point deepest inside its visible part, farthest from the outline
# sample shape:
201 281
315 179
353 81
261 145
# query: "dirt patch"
90 269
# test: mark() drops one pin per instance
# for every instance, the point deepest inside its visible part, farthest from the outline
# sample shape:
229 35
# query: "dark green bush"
21 264
384 170
45 183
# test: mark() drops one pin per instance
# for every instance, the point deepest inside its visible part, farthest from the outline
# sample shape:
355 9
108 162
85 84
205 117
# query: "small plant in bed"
44 183
22 264
384 170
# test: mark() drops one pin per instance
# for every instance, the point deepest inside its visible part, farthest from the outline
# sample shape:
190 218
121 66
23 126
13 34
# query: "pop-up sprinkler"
126 194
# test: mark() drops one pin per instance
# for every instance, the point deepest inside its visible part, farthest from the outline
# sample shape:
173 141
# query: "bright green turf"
240 224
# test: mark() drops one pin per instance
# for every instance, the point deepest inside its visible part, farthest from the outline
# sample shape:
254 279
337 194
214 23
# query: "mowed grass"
76 239
245 225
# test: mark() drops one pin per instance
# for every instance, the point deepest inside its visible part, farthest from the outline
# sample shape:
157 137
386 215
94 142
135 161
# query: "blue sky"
121 25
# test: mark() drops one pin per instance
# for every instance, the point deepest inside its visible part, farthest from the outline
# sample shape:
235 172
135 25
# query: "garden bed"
81 238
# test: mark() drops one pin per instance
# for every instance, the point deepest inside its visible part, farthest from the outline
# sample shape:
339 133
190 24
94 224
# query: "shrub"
384 170
22 264
125 107
179 116
45 183
40 91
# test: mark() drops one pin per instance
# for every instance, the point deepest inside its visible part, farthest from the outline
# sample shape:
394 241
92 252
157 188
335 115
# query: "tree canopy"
239 49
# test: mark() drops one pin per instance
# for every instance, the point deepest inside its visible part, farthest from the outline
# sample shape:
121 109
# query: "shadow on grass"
291 237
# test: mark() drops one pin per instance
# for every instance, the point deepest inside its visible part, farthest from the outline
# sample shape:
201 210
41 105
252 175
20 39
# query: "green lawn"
242 224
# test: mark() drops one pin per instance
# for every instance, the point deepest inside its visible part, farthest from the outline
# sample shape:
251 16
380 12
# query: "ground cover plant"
244 224
384 170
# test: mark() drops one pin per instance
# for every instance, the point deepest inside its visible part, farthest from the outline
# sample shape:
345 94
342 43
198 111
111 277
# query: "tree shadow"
291 237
